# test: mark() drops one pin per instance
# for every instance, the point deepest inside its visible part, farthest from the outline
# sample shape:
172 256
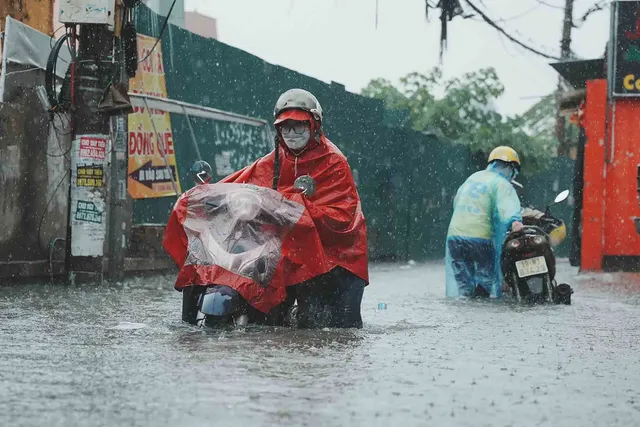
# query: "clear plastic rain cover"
239 227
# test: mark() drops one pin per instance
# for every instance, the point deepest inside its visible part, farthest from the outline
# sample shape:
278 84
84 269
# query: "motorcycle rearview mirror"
306 185
561 197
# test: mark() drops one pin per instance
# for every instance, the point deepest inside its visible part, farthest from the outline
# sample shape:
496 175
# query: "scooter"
240 231
528 262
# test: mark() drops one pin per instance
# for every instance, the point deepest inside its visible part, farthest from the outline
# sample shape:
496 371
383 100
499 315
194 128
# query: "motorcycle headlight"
243 204
513 244
538 240
220 301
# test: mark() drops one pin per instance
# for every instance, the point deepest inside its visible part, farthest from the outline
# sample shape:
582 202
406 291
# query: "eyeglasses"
293 126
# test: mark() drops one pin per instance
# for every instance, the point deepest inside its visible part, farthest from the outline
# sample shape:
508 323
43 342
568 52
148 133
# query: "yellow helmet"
557 235
506 154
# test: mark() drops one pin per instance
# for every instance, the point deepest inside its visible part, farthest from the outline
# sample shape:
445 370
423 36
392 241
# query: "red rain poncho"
331 231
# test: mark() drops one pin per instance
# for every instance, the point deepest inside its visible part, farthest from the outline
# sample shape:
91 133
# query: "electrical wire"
54 35
67 119
57 133
52 38
46 209
506 34
504 46
10 73
553 6
519 15
51 72
506 49
164 26
62 152
71 37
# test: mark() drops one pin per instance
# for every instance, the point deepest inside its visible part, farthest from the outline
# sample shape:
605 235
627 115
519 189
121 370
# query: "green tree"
540 121
465 113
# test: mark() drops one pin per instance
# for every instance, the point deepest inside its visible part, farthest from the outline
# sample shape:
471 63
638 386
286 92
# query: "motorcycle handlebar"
525 229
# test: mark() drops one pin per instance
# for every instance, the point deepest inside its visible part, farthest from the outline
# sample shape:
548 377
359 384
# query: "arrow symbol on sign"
148 174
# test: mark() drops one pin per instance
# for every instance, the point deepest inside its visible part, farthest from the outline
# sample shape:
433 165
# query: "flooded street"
119 356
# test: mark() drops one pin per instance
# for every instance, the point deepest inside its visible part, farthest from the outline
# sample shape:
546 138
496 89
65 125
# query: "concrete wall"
32 204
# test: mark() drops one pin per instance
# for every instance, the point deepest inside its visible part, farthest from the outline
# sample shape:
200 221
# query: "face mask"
296 141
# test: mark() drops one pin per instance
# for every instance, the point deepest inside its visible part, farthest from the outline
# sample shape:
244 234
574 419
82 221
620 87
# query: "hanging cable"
553 6
164 26
519 15
46 208
50 72
509 36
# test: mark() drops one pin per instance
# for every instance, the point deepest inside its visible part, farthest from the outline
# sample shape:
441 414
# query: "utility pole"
565 52
95 64
119 201
87 195
99 105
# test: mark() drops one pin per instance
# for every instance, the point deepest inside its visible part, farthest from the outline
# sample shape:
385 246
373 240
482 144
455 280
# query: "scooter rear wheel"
551 297
516 288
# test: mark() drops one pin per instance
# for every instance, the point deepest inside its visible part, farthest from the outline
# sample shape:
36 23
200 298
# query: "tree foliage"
540 122
466 113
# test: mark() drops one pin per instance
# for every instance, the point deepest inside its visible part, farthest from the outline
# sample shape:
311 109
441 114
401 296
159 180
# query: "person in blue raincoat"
485 208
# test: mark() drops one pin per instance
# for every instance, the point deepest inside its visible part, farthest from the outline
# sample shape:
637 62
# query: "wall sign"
149 175
624 80
88 195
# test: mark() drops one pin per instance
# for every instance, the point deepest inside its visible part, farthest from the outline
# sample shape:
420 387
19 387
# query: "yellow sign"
630 83
89 176
148 173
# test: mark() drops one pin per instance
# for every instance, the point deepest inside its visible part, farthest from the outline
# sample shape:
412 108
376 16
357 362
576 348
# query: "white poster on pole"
88 195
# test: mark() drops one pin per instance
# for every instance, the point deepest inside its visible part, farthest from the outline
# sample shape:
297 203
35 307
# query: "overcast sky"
338 40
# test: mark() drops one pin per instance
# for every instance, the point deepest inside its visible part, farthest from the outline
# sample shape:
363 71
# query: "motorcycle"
528 261
239 228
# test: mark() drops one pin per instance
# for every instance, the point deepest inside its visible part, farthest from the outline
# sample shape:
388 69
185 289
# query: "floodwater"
119 356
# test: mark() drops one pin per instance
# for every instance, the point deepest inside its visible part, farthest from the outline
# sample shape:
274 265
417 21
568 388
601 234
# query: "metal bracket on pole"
173 106
164 156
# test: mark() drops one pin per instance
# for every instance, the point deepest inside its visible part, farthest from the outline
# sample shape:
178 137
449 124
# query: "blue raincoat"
484 208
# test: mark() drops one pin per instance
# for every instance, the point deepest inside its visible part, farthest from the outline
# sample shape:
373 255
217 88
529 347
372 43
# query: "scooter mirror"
561 197
306 185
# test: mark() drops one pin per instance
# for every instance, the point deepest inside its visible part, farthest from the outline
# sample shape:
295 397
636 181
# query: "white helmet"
298 99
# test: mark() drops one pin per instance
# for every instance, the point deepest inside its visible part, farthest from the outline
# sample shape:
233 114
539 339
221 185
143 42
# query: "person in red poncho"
330 284
324 265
